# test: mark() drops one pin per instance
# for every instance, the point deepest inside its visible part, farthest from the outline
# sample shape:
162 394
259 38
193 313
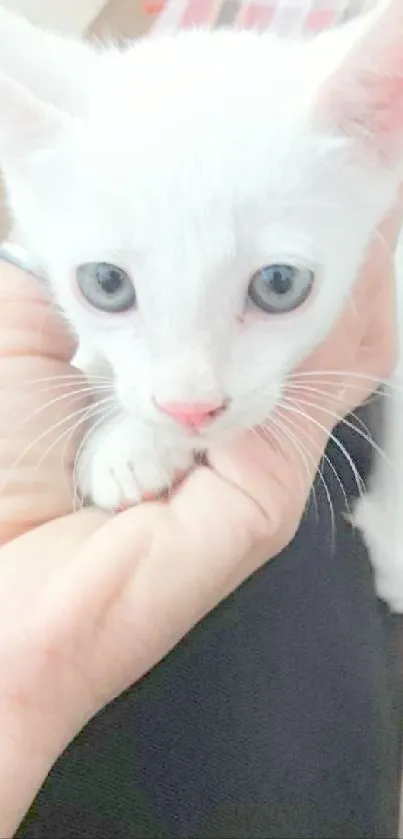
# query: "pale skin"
89 601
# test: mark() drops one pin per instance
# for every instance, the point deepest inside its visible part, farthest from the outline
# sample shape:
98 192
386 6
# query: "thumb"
275 468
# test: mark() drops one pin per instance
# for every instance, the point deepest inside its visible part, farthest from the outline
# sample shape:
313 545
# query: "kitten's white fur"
191 161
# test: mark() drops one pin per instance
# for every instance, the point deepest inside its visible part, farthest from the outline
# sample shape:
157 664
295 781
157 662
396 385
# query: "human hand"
89 601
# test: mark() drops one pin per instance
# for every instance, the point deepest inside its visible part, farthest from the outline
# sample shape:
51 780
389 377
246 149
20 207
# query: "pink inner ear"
384 97
364 97
369 107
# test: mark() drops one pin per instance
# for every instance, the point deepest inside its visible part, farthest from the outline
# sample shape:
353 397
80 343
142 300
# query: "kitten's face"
236 223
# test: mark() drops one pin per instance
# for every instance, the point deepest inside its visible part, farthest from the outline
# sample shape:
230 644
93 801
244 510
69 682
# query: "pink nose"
192 414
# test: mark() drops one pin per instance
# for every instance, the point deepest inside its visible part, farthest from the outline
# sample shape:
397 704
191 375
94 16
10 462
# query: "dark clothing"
278 716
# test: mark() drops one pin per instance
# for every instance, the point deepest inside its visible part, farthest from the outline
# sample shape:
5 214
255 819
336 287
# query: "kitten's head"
202 203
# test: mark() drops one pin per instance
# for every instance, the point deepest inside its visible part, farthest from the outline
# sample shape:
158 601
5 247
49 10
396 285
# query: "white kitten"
202 204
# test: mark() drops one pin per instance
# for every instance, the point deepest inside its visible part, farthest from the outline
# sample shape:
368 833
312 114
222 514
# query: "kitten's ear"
44 80
363 97
50 66
26 123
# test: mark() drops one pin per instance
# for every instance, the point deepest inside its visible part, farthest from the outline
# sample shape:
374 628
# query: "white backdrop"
69 16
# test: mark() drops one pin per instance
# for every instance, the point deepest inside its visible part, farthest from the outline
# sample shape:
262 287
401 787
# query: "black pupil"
281 280
110 280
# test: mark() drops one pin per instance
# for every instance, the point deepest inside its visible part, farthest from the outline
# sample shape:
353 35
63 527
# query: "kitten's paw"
121 466
383 535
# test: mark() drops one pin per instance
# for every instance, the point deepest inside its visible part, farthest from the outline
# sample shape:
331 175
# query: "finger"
377 352
40 425
37 439
29 324
275 470
166 573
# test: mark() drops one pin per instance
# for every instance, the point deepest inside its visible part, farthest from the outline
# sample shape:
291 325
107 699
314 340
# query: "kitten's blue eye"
280 288
106 287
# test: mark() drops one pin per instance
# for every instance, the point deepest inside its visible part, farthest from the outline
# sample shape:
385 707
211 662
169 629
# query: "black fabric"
278 716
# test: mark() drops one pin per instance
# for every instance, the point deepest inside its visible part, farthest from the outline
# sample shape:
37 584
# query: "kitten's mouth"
215 433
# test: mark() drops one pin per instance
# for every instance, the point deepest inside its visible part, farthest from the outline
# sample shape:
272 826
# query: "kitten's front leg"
122 463
379 513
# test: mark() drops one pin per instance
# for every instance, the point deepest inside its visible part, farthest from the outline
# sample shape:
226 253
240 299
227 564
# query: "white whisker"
345 421
82 391
34 443
327 460
276 424
87 412
317 471
289 405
